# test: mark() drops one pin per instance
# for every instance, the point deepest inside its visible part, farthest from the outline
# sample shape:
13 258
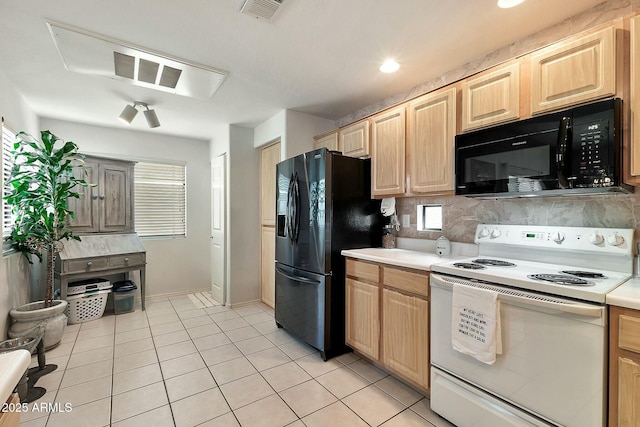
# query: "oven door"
552 365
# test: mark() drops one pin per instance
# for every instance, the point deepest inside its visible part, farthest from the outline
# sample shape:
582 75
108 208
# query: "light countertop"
13 364
398 257
626 295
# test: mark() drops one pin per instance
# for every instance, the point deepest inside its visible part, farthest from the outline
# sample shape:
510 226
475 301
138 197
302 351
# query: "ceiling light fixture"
389 66
130 111
506 4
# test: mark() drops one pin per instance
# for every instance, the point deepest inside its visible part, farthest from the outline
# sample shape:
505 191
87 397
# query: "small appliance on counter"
388 209
443 246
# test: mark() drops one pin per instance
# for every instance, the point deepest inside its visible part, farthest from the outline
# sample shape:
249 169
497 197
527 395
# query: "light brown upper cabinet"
634 103
431 134
387 152
574 70
106 207
327 140
269 158
491 97
354 139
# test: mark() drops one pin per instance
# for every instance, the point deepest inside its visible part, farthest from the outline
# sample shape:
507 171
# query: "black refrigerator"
323 205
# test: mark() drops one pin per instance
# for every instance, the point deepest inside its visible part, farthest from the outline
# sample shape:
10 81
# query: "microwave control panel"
591 155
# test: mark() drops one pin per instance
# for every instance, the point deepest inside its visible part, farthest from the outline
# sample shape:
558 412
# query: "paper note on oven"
475 323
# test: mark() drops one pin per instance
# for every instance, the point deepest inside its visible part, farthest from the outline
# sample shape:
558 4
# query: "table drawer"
629 333
126 260
363 270
406 281
82 265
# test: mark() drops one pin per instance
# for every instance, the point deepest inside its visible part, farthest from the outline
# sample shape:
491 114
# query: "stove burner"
493 262
585 274
469 266
561 279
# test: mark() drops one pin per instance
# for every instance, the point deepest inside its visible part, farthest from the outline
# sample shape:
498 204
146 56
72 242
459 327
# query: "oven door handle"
523 298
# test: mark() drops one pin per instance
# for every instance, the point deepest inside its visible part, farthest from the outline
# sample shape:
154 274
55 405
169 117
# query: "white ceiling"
316 57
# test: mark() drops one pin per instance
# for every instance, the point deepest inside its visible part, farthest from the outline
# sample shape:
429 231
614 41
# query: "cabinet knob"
89 264
126 260
94 197
102 197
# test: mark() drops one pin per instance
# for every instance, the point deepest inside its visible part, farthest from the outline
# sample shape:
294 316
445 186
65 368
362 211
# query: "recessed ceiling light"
506 4
389 66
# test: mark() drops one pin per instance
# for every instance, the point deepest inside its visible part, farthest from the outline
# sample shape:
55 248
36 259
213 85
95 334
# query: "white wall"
242 226
14 270
295 131
271 130
301 128
244 216
173 265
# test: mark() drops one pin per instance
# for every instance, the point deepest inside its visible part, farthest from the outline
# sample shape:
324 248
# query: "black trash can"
124 296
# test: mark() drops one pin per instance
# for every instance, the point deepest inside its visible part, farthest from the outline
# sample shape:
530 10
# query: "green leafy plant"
42 180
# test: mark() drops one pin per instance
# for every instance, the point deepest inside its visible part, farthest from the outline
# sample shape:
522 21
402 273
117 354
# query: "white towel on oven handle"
475 323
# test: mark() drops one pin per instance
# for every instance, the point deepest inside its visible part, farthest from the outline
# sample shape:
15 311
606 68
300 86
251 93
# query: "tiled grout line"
253 325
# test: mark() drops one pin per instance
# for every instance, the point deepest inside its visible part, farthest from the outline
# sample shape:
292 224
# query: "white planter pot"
27 317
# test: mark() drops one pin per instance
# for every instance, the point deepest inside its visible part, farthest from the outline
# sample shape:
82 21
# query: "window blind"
8 139
160 200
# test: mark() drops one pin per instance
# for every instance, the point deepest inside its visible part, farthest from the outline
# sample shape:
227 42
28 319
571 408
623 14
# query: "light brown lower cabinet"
405 339
624 367
11 417
363 318
387 312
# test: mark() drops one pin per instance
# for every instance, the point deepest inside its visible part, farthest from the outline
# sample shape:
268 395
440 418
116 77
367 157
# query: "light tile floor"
177 365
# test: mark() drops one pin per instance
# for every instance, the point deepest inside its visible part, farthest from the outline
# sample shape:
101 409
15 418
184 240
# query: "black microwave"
575 151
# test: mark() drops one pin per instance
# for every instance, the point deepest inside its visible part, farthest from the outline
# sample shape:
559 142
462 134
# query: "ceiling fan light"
152 118
128 114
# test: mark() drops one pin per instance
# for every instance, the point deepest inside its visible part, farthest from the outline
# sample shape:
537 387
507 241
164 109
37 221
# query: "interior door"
218 247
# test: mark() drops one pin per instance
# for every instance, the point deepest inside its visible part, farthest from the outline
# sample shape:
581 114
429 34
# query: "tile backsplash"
461 215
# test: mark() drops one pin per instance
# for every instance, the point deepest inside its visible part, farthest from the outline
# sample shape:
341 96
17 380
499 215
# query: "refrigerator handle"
296 208
288 217
298 278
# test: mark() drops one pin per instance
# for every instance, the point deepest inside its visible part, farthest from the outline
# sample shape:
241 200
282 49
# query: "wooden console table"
98 255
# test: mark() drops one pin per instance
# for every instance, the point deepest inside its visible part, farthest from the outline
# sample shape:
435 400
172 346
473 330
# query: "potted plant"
41 182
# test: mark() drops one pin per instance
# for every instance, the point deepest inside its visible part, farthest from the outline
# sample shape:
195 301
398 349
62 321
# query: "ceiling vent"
264 9
94 54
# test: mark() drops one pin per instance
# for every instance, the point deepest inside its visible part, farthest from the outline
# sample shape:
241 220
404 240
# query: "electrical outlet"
405 221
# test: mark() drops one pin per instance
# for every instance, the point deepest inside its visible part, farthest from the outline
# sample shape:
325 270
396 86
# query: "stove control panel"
603 240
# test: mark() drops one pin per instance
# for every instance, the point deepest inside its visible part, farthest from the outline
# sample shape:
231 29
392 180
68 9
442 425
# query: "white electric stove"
552 284
575 262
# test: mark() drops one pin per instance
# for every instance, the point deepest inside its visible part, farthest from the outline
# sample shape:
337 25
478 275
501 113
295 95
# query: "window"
8 138
160 200
429 217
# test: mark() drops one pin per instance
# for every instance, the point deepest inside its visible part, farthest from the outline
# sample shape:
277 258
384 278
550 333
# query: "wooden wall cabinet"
267 259
269 158
624 367
327 140
353 140
572 71
634 104
106 207
431 131
387 314
388 152
491 97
